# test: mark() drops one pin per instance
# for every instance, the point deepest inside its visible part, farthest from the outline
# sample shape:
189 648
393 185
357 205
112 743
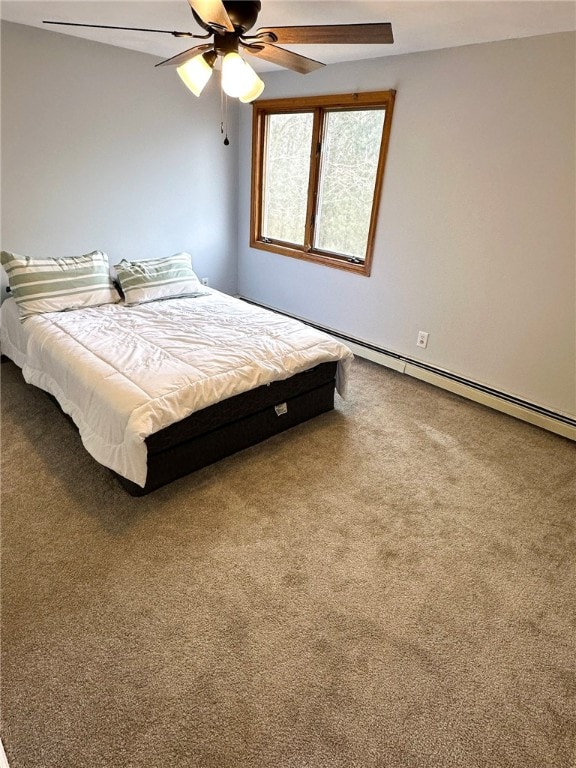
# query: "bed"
163 388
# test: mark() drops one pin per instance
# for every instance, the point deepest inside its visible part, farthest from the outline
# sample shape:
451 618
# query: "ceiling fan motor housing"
243 15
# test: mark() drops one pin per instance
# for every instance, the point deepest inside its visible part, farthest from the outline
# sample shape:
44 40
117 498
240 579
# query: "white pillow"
59 284
154 279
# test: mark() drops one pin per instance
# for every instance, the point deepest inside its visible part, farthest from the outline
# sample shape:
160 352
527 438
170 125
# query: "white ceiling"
418 25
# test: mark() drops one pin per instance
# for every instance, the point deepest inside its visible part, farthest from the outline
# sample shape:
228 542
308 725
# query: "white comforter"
124 373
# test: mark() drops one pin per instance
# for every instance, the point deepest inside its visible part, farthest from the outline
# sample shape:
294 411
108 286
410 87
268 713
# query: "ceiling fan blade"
332 33
182 58
282 57
212 12
131 29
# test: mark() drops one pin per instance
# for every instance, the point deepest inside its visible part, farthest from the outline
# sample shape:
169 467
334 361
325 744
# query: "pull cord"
224 116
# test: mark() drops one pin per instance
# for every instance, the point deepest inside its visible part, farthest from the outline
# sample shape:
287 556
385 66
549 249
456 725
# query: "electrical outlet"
205 281
422 339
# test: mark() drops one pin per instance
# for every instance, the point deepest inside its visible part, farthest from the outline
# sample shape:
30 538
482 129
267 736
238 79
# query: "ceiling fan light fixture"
239 79
196 72
227 22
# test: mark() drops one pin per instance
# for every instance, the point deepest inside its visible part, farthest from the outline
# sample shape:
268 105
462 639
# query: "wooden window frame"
319 106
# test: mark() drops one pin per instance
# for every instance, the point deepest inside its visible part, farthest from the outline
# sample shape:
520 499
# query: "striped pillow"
155 279
56 285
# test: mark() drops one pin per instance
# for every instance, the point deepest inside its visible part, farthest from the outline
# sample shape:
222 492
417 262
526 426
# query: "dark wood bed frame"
234 424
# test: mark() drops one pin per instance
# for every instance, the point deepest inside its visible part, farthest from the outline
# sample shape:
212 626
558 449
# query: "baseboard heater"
501 401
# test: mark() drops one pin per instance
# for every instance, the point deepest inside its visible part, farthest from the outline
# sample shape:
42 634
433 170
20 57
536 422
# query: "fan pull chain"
224 116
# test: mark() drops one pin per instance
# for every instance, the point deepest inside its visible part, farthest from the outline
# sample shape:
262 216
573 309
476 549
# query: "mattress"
125 373
13 335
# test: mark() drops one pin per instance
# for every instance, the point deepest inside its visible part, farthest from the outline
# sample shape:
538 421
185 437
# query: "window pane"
286 170
350 154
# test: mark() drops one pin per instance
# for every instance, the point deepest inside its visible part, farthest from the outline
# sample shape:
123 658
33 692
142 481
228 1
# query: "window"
317 171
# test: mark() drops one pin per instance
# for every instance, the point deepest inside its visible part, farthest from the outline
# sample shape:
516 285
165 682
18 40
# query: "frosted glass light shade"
195 73
255 91
233 75
239 79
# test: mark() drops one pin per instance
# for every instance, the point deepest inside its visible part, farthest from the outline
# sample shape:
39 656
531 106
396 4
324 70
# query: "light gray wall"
476 235
102 151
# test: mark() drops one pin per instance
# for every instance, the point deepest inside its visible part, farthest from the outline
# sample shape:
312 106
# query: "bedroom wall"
476 235
102 151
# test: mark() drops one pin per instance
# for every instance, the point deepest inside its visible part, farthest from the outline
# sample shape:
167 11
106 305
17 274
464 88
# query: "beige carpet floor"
390 585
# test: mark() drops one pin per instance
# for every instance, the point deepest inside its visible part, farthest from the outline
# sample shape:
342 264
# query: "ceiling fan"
227 23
